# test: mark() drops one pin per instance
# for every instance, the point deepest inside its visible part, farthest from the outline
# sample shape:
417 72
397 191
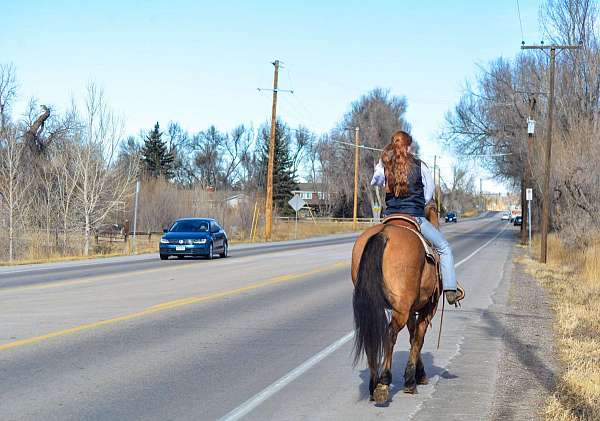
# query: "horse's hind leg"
381 392
415 371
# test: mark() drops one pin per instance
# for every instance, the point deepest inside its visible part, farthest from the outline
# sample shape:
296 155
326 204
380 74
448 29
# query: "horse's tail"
370 303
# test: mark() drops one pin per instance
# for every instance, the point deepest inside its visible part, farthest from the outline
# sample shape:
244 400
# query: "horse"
391 271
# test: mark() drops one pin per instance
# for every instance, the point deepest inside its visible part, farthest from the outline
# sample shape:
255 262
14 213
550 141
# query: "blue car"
451 217
193 237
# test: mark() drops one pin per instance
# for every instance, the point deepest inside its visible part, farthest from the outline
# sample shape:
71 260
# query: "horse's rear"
390 271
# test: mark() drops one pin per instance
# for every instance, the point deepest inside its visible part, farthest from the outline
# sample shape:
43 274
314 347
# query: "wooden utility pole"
481 195
548 164
269 197
435 198
437 190
356 158
527 173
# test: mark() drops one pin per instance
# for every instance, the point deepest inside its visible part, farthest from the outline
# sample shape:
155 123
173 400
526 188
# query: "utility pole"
548 164
480 195
439 190
355 211
527 171
135 211
269 197
435 198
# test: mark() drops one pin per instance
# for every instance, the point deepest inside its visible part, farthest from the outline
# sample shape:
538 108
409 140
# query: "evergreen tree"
284 176
156 158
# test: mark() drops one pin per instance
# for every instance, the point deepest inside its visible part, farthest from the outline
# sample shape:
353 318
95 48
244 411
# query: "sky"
200 62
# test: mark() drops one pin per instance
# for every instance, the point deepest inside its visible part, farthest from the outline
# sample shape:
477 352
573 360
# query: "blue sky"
199 62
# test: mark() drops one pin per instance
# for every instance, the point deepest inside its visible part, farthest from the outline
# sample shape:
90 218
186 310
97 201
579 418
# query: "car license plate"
179 248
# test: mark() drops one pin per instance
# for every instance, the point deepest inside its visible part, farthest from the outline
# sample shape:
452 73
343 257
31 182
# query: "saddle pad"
430 252
402 218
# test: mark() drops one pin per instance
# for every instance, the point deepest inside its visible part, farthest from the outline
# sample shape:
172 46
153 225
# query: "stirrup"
460 294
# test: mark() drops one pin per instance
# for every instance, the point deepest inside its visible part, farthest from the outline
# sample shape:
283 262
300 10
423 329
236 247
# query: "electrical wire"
520 22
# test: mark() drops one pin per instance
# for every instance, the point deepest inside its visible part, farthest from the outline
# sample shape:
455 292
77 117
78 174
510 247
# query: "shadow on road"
398 365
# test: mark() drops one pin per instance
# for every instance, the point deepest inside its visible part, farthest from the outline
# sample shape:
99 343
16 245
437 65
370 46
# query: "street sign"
530 126
529 194
296 203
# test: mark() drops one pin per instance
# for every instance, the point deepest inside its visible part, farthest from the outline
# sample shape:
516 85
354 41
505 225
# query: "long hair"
397 162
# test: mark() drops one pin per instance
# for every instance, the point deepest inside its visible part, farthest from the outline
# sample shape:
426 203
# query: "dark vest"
413 202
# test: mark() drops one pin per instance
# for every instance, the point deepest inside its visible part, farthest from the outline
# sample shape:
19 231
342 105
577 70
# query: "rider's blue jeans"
446 259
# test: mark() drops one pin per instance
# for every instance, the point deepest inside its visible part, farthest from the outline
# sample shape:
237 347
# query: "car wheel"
210 252
164 256
224 253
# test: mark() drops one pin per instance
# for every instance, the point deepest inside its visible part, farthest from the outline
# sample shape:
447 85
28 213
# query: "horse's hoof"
381 393
412 389
423 381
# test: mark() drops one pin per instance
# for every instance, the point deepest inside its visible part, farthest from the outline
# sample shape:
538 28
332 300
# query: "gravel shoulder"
526 366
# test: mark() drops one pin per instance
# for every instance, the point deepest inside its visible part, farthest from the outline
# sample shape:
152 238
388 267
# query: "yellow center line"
172 305
113 276
91 279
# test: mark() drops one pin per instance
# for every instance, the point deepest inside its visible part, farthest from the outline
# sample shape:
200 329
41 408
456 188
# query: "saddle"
410 223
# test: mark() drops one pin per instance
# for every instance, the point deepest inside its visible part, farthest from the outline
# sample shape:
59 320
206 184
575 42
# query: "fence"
42 245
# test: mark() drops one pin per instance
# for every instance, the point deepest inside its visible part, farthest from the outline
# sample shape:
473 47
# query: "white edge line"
480 248
279 384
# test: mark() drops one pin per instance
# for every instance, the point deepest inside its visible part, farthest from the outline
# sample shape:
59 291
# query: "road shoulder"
526 371
511 345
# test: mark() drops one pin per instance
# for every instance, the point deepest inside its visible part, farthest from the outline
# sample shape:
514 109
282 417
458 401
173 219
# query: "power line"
520 23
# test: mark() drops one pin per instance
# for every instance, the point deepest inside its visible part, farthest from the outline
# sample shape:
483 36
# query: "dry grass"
285 230
36 252
470 213
573 279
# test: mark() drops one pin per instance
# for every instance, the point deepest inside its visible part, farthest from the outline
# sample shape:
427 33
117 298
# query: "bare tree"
101 184
14 182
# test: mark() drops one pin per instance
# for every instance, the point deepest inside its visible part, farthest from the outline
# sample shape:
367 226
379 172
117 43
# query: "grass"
36 252
470 213
572 276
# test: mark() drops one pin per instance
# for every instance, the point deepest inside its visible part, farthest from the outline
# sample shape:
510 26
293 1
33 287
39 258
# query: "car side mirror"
165 230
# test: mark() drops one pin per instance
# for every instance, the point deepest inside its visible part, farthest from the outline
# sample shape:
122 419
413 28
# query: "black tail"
369 303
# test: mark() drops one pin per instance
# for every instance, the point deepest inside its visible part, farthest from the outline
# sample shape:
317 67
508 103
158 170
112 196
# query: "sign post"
529 197
296 203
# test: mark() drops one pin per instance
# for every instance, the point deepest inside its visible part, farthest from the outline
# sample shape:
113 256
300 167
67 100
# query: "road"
265 334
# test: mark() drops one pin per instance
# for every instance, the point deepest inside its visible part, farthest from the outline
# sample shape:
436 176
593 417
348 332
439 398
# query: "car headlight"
199 241
164 241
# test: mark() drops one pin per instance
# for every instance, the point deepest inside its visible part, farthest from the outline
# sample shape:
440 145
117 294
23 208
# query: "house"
236 200
313 194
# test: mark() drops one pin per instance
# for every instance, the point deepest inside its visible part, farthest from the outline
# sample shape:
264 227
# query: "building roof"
310 187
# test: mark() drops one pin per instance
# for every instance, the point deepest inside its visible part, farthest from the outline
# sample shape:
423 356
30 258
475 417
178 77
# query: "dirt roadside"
526 370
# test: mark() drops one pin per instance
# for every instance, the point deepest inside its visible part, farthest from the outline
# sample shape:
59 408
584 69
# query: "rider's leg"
436 238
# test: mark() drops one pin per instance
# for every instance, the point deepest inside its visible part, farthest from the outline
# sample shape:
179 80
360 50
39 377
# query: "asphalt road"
265 334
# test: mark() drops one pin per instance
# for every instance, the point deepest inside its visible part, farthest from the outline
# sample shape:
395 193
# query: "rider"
409 187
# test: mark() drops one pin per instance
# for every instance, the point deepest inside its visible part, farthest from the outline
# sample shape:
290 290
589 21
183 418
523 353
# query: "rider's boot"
454 296
450 296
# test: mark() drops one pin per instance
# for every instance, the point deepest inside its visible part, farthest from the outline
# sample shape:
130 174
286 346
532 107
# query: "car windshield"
189 226
451 215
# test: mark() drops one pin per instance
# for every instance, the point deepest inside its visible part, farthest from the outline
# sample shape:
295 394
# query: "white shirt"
426 177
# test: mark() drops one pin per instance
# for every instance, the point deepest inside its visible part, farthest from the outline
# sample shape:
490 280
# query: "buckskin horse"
392 270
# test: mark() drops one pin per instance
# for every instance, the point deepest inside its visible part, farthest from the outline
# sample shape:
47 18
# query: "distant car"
505 216
194 237
451 217
518 221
